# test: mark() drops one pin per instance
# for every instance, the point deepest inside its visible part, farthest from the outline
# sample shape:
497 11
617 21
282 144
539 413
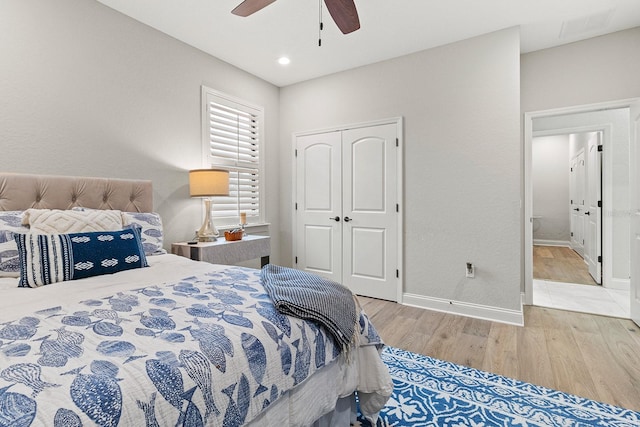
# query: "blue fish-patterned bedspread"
207 350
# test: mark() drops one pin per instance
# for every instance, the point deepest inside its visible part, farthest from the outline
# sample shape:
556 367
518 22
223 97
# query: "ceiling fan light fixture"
343 12
283 60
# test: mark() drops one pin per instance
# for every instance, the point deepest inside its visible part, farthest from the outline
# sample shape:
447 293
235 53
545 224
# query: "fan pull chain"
320 25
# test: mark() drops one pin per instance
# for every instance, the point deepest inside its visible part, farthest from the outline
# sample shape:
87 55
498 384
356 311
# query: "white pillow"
55 221
152 234
10 222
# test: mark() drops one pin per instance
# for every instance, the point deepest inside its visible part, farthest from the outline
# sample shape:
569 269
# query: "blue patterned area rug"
431 392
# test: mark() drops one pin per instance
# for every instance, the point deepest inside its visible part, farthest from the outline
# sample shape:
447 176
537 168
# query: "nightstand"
224 252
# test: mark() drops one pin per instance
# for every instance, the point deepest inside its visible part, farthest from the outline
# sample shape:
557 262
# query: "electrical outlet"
470 270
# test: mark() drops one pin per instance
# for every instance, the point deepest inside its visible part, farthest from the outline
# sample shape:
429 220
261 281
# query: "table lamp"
208 183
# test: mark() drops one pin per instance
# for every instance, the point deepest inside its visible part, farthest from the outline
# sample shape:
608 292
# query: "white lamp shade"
208 182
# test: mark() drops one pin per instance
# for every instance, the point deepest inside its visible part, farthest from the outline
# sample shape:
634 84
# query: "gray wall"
595 70
86 90
550 181
462 159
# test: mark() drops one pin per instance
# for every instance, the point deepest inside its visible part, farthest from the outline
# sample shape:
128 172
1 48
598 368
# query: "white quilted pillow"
55 221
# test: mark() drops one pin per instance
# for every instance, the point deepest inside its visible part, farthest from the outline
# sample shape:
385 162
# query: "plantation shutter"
233 142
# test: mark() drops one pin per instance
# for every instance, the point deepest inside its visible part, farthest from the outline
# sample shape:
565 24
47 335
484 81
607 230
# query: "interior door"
319 204
577 203
370 212
573 223
593 209
635 210
347 219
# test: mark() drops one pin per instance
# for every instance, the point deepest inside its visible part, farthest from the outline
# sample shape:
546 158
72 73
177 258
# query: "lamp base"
208 232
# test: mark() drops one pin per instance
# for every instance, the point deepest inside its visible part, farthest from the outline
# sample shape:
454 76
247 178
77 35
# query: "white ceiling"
389 28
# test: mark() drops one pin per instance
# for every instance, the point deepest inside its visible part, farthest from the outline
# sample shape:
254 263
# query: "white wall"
600 69
550 179
462 159
86 90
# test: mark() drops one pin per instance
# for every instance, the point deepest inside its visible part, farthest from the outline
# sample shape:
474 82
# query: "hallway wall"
550 178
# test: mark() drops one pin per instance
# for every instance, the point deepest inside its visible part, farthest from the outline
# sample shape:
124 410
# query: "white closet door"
346 218
319 204
369 189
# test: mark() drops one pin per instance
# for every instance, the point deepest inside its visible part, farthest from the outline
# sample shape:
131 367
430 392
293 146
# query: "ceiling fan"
343 12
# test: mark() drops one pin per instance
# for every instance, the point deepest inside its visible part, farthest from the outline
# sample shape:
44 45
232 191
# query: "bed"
162 341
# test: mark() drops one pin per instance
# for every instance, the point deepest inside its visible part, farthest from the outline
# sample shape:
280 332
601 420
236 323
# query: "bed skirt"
343 415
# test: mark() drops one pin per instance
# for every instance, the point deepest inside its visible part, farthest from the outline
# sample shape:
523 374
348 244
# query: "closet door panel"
368 253
369 202
319 202
368 175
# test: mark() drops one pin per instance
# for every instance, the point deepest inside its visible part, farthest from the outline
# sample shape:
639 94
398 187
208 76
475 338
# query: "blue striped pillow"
50 258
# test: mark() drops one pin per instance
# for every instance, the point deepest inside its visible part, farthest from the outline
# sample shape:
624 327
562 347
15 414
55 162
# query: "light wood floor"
560 264
591 356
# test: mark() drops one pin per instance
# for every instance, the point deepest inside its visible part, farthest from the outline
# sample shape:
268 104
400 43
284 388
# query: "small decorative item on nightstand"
235 234
243 222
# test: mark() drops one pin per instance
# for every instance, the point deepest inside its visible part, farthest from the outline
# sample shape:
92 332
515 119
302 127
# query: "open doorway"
608 125
567 221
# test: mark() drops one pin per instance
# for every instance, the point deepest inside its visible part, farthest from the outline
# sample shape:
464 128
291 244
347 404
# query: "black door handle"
587 213
347 219
577 210
336 218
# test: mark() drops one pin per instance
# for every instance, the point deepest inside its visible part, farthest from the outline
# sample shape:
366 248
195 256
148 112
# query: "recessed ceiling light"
284 60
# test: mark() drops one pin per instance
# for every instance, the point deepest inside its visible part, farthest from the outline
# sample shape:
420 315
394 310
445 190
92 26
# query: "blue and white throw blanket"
309 296
207 350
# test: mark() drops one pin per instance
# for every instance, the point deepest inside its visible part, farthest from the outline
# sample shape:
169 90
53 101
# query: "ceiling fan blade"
247 7
345 15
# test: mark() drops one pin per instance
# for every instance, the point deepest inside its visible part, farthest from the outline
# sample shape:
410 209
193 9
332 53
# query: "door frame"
634 211
607 165
399 122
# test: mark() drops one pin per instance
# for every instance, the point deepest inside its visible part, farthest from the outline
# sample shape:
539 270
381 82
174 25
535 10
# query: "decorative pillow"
50 258
53 221
151 234
10 222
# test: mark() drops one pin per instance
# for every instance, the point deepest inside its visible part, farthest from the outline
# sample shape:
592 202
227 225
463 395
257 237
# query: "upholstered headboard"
24 191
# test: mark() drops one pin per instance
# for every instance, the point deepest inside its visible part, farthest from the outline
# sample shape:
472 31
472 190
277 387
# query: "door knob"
587 213
577 210
336 218
347 219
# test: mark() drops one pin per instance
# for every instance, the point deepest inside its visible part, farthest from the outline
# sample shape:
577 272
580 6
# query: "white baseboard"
512 317
620 284
542 242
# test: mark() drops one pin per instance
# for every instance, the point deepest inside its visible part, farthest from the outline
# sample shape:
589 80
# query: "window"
232 135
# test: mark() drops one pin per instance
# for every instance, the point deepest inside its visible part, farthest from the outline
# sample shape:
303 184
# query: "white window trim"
209 161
